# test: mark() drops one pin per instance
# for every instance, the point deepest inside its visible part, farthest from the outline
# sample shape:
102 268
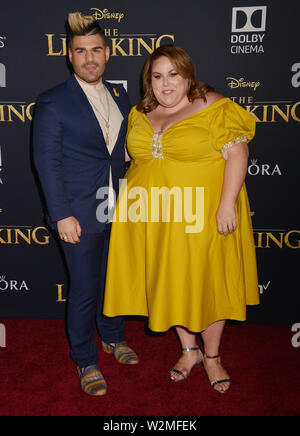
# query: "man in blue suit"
78 140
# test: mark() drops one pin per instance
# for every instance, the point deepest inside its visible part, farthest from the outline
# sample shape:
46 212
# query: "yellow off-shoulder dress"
178 270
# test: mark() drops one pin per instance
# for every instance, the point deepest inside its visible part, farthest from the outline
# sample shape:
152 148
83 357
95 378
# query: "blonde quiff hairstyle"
79 25
183 65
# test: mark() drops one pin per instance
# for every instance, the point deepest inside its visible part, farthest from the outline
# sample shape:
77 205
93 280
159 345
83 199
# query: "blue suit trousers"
86 263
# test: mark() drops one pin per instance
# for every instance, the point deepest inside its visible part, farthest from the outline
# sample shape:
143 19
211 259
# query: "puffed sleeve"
231 124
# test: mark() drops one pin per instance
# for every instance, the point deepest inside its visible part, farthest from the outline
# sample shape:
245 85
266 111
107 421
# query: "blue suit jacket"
70 153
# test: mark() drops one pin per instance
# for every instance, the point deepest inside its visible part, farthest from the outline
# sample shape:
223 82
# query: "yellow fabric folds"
181 272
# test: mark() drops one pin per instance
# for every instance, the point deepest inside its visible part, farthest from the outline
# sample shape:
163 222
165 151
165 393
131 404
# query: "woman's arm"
234 176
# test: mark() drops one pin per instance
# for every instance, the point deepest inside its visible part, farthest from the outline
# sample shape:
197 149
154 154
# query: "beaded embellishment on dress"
234 141
156 145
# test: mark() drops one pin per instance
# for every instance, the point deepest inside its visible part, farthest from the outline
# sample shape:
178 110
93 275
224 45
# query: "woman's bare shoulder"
212 97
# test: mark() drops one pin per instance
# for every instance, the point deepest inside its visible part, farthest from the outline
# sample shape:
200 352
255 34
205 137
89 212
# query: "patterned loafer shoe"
122 352
92 381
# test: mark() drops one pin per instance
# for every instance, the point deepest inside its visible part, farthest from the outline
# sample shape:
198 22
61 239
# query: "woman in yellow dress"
181 247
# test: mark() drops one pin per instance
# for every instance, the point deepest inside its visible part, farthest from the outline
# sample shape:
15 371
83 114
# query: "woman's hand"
234 176
226 219
69 230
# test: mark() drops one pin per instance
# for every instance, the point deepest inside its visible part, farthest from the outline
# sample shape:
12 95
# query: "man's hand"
69 230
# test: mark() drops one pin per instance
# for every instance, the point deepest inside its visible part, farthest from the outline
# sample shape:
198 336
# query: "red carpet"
39 379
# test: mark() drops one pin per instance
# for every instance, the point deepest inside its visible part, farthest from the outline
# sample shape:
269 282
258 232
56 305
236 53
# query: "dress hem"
238 318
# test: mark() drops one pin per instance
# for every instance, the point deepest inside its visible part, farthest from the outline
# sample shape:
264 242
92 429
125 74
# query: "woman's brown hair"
183 65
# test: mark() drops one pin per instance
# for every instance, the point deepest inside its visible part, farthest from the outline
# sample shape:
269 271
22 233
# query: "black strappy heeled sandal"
218 382
182 374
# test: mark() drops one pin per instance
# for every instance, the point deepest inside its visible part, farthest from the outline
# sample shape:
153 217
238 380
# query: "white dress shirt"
98 97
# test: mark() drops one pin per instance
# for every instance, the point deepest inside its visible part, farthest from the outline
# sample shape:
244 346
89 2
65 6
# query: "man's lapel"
87 112
117 98
122 107
85 108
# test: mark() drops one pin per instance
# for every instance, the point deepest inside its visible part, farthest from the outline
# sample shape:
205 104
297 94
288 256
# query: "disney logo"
242 83
105 14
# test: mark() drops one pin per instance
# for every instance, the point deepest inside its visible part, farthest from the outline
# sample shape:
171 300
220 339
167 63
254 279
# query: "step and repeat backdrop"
247 50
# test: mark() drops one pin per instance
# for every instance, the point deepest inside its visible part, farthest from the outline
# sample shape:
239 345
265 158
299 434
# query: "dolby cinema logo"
248 28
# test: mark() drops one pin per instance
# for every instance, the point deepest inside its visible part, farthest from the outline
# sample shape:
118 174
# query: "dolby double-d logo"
247 29
249 19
